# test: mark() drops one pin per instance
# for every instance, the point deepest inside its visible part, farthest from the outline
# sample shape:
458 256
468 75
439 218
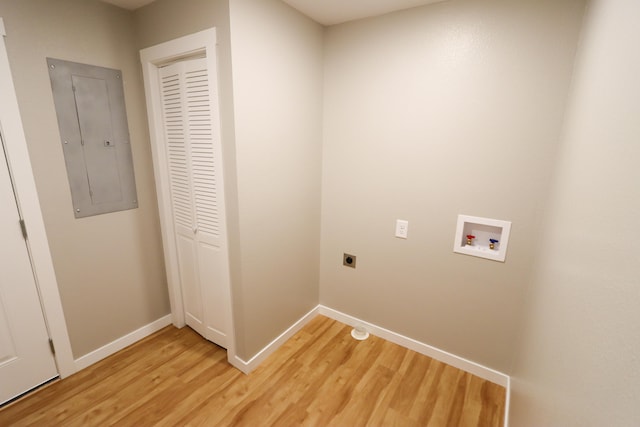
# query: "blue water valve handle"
494 241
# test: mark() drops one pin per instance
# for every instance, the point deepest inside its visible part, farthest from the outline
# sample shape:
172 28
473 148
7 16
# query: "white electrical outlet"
402 228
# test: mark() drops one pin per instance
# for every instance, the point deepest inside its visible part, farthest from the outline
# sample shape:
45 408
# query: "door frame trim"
197 44
27 198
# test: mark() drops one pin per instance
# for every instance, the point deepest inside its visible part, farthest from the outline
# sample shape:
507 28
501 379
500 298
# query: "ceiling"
326 12
330 12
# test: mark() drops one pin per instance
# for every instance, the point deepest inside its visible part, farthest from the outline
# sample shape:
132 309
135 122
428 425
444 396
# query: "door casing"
198 44
27 198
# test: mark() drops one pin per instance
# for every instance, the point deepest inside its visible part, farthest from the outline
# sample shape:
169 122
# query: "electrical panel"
94 134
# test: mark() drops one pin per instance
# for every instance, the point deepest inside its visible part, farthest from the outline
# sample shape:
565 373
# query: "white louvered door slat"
190 128
203 157
175 138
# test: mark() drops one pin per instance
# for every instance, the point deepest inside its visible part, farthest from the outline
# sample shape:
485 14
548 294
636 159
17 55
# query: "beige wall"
109 267
277 83
452 108
578 363
165 20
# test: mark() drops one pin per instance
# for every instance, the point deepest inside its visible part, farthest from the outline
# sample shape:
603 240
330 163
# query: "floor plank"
320 377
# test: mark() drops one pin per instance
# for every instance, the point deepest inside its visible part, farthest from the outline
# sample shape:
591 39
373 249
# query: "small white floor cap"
359 333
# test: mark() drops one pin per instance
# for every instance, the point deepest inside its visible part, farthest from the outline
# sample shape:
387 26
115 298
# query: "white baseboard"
122 342
507 402
417 346
433 352
256 360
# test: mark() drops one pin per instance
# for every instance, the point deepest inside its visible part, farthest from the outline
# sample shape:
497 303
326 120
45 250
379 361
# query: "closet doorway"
182 102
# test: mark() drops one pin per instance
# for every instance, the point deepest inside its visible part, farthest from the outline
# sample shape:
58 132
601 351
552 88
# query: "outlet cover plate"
402 228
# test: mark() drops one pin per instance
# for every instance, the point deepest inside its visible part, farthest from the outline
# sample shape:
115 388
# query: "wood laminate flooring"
320 377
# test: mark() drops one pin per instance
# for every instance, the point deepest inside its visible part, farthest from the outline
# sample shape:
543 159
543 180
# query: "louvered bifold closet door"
189 111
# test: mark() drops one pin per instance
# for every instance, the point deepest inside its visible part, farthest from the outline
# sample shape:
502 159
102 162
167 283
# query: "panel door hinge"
23 227
52 347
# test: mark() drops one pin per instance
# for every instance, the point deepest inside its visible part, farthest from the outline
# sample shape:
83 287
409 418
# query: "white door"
192 146
26 360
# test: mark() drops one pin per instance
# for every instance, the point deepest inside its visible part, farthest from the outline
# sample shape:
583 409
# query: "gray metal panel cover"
92 118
